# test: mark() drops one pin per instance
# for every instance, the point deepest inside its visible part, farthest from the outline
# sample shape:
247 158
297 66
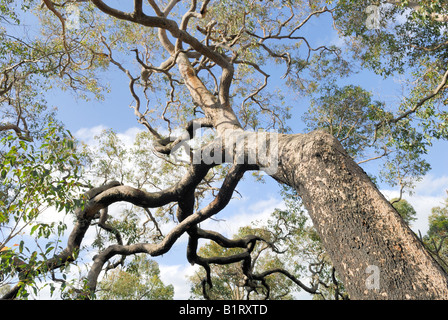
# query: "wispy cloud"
87 135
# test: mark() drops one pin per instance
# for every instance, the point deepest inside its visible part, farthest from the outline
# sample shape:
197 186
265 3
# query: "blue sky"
85 119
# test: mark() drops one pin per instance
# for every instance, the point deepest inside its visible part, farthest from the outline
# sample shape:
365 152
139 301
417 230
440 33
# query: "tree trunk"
374 252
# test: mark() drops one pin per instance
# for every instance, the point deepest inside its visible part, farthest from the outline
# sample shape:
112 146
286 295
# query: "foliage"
409 41
34 178
438 223
405 209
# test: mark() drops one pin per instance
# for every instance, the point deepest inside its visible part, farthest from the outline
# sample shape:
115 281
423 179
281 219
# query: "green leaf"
34 228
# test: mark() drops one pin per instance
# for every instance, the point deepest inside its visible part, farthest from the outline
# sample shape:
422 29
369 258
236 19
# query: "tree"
39 166
35 178
216 53
267 257
405 209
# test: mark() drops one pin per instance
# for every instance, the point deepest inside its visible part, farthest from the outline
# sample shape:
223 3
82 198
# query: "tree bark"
375 253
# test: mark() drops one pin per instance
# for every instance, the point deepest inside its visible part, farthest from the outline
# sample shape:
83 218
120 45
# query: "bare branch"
138 8
264 274
51 7
415 5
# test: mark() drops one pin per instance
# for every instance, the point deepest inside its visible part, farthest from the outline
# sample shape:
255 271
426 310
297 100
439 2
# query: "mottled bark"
363 234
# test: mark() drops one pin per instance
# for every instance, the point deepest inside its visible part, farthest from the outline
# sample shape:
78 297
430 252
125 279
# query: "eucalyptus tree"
196 65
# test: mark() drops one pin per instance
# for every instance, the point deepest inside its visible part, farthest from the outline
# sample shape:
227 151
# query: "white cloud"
432 185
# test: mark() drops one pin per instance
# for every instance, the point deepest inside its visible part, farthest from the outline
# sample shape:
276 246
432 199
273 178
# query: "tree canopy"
202 75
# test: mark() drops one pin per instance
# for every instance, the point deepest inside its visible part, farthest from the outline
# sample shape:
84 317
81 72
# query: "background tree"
436 238
40 168
140 281
205 65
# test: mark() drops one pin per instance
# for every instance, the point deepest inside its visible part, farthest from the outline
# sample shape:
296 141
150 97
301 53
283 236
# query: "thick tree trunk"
375 253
